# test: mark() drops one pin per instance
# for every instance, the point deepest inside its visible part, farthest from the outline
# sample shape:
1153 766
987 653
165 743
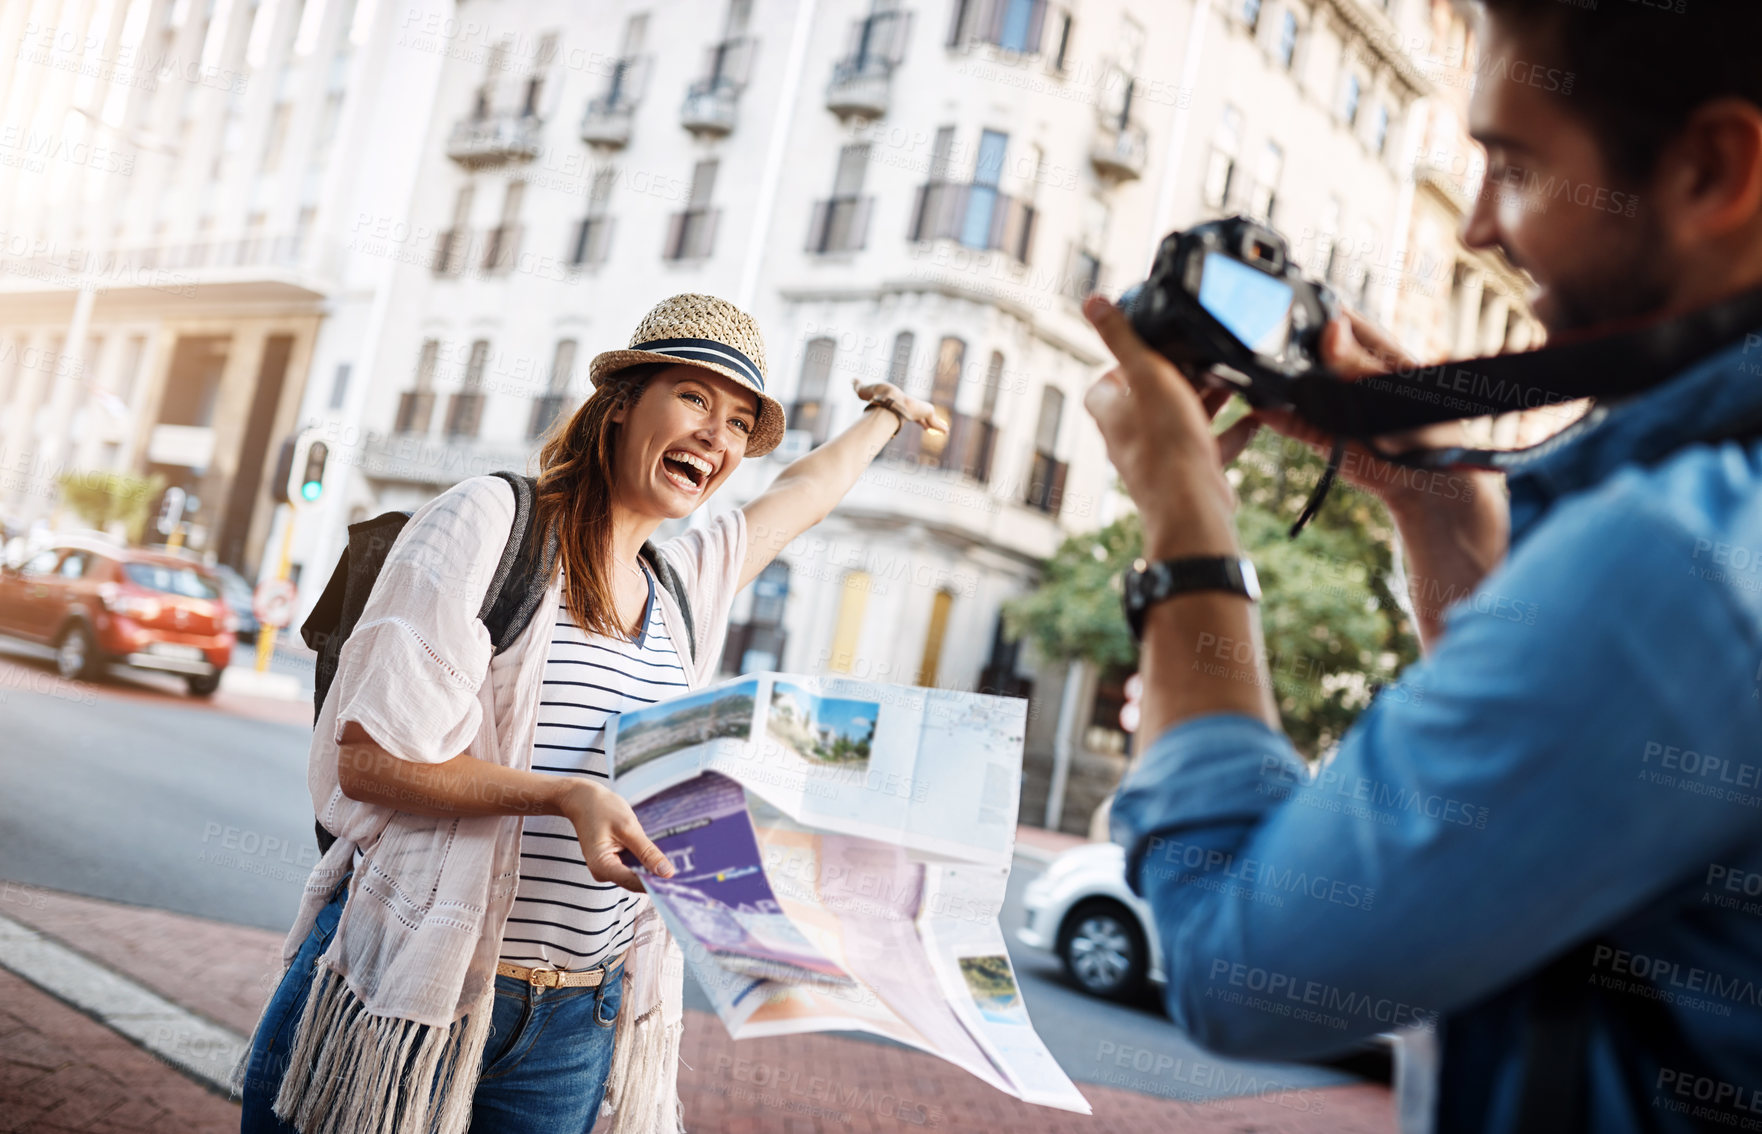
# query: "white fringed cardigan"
401 1000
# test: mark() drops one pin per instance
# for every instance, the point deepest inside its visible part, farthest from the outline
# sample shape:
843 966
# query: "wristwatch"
1147 584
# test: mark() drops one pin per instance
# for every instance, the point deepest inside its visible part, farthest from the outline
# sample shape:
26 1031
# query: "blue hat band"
706 350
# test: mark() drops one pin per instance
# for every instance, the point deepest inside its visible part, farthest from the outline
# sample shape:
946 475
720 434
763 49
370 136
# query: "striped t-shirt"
562 918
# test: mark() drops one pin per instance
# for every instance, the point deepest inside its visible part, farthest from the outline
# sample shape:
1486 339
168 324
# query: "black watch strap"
1147 584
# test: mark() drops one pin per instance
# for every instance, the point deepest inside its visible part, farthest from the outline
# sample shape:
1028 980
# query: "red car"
97 604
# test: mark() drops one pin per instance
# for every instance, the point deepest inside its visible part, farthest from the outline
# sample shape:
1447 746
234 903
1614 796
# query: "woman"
465 957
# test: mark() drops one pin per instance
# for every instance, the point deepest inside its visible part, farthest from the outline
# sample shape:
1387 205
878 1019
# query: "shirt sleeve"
1582 740
410 671
709 560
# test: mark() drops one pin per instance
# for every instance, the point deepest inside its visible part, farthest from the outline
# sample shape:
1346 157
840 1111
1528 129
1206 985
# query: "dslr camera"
1226 305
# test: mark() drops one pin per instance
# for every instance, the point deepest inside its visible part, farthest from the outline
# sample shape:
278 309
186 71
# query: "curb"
201 1049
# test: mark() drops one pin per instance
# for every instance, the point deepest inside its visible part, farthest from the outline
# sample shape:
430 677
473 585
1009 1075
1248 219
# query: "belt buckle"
543 978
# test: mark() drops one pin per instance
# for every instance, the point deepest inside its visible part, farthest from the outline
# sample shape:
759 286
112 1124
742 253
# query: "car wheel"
203 684
1103 950
76 653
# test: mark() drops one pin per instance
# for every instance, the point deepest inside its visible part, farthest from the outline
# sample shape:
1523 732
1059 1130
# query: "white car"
1081 910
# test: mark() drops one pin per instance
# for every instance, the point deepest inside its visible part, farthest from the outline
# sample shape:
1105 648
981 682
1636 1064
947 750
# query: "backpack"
514 593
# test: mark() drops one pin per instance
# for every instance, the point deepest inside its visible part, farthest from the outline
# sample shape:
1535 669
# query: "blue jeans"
544 1066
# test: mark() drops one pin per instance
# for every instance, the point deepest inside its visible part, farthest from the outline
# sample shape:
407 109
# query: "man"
1545 842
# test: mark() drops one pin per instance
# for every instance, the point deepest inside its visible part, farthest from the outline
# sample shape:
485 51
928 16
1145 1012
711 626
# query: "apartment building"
180 181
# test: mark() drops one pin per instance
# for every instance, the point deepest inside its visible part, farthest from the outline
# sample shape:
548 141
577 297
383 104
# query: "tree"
1335 627
101 497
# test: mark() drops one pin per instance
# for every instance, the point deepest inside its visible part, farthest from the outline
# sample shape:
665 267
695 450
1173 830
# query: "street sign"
273 602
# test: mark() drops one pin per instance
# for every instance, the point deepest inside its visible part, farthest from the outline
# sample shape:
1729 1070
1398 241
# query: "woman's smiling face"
679 442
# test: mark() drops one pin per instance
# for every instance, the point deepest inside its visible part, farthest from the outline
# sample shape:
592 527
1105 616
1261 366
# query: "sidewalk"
62 1070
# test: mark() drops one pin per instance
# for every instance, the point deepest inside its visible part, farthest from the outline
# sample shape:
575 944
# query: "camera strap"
1608 363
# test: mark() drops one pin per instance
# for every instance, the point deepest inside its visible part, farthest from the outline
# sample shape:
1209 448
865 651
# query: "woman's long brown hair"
575 495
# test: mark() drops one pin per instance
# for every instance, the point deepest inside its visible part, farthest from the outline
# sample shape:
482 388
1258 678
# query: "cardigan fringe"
352 1072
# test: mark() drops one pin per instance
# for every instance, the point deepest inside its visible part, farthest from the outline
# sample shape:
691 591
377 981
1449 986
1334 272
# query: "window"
1287 45
1329 248
1052 410
982 198
339 386
928 662
942 154
1225 146
1061 39
593 235
1379 130
425 361
1349 105
848 631
475 363
504 239
74 566
809 411
840 223
693 231
945 385
465 410
1017 29
1251 14
993 383
548 407
1266 184
899 363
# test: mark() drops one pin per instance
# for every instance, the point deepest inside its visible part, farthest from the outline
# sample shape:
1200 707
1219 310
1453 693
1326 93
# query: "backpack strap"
528 561
675 586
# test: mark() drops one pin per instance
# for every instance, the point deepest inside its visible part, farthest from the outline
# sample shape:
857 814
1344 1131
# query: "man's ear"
1710 177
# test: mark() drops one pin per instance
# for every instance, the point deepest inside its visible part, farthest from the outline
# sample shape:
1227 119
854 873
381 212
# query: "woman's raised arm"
806 492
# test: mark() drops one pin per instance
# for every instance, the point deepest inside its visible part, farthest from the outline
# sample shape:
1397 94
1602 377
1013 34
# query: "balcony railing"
1045 489
415 408
1119 151
691 234
464 414
607 122
501 245
593 237
478 142
860 88
1013 25
839 224
978 216
711 108
546 408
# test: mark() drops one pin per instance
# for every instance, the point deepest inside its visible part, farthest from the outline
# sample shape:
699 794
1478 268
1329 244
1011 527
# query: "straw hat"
701 330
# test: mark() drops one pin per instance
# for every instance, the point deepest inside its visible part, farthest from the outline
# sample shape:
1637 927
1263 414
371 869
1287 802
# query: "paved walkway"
61 1070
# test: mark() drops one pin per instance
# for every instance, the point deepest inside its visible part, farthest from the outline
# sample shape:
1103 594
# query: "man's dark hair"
1641 67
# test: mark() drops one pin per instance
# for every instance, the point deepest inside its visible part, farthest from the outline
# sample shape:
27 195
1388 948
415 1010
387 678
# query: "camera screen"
1254 306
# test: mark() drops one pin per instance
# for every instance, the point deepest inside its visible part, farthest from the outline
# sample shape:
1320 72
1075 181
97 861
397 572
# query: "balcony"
415 409
607 122
840 224
500 247
1045 489
978 216
1119 151
691 235
592 238
860 88
711 108
436 461
464 414
477 143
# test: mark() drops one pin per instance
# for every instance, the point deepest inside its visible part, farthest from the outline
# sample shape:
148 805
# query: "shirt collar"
1714 398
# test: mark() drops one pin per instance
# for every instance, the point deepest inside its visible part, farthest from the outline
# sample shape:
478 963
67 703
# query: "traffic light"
299 472
171 510
312 480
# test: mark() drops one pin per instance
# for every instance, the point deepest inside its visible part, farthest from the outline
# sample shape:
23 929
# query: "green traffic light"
311 489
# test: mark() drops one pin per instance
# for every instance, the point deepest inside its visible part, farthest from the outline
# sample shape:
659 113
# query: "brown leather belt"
557 978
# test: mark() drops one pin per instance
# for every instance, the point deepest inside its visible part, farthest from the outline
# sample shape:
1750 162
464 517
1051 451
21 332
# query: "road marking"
196 1046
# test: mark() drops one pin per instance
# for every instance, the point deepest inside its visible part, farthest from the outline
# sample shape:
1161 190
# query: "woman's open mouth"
688 471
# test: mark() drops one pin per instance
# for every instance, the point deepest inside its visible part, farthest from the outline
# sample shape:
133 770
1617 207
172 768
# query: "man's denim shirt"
1578 762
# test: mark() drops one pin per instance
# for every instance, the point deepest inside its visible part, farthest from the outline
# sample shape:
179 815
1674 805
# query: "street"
123 791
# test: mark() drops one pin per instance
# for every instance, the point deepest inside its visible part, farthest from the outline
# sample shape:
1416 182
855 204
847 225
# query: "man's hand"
1158 433
605 825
